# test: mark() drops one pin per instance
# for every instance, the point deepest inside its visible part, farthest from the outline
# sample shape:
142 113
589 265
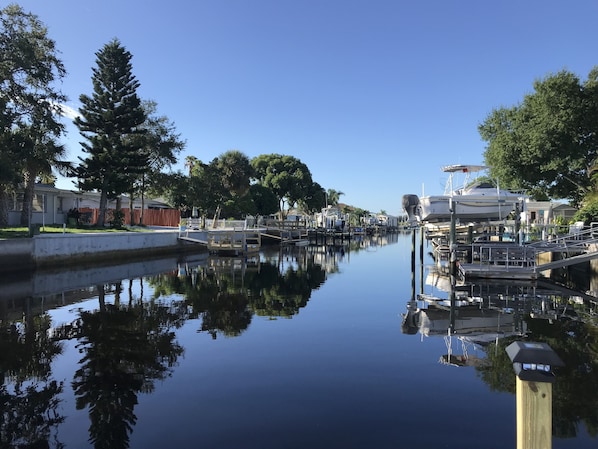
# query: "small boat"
474 201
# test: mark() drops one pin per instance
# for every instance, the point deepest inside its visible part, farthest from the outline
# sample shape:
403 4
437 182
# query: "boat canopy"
463 168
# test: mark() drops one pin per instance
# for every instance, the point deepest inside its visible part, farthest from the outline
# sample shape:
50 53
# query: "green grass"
14 232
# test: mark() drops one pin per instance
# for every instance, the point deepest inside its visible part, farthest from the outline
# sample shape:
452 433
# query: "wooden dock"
233 242
286 235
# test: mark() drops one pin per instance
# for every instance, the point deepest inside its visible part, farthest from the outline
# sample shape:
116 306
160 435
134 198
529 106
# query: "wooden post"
534 414
533 364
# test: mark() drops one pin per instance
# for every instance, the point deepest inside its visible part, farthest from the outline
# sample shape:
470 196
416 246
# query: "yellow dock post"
533 364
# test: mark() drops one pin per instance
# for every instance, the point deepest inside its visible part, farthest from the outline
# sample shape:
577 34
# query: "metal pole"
453 239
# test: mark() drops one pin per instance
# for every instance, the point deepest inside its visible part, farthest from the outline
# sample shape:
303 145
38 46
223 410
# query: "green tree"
108 120
29 68
333 197
207 193
175 188
314 199
161 145
264 200
40 151
224 182
547 145
234 172
286 176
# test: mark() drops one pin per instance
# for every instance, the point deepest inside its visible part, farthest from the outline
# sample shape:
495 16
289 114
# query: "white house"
51 205
546 212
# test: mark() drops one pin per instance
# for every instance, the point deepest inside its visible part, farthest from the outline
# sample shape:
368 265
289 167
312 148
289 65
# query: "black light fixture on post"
533 363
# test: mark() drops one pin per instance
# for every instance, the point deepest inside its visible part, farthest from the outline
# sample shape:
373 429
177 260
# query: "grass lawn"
13 232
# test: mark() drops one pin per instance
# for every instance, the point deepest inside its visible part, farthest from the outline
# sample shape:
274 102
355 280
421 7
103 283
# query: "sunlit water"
299 348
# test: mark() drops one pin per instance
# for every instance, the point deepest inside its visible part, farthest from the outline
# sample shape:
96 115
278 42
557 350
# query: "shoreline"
64 250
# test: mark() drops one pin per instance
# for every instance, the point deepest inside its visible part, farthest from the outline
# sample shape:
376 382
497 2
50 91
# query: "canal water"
352 346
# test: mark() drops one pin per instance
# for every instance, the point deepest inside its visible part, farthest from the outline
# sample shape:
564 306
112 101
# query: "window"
39 203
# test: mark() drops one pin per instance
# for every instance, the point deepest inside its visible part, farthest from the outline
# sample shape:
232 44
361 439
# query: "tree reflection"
126 349
277 294
575 397
226 292
30 402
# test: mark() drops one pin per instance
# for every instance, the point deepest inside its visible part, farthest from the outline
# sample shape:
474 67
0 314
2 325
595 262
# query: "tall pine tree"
109 118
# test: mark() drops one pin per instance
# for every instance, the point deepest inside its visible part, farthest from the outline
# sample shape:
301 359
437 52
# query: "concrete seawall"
48 250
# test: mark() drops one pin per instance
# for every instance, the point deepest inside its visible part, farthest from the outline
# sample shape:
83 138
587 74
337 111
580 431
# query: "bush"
588 213
118 219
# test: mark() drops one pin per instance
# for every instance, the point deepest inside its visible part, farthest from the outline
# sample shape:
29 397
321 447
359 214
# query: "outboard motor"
411 206
411 319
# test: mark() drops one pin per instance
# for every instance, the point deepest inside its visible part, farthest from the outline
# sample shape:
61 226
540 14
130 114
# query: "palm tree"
190 163
332 197
40 153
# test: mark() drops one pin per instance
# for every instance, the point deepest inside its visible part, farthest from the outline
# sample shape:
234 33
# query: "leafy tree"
233 171
206 188
161 144
314 199
29 67
589 212
108 120
224 182
174 187
264 200
547 145
286 176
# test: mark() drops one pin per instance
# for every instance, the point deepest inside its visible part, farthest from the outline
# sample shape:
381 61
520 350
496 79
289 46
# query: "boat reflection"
484 312
479 320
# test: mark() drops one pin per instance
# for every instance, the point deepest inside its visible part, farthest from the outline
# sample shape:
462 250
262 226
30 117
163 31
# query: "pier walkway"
509 260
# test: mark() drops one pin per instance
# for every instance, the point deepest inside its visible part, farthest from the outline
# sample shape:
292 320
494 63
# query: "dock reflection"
479 320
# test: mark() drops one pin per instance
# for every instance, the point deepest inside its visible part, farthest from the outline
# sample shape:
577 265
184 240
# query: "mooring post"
453 239
413 252
533 363
421 259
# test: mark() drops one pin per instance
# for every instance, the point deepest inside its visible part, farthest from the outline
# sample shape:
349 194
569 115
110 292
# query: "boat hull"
433 209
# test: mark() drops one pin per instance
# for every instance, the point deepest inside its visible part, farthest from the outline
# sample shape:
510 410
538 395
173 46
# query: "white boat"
474 201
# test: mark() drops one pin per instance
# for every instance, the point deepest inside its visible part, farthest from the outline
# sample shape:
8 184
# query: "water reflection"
126 331
29 394
479 320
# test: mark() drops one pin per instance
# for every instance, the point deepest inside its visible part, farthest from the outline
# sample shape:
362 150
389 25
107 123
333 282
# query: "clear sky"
374 96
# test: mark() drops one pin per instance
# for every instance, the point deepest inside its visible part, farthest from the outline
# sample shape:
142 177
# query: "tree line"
128 147
548 144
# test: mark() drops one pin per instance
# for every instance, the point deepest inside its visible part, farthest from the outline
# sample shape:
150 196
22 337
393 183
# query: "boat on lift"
474 201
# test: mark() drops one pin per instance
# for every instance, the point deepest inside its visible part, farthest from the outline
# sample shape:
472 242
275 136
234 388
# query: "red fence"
151 217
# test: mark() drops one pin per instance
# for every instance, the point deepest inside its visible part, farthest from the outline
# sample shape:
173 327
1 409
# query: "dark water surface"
302 347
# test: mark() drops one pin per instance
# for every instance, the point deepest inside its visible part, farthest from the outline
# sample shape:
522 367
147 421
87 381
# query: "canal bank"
59 250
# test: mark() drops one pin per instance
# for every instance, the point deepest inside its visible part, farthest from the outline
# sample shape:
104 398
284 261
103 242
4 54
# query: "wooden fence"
151 217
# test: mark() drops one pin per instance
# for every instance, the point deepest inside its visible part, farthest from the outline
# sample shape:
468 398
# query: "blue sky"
373 95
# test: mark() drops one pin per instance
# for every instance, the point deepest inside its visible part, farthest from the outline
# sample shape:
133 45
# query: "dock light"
533 361
533 364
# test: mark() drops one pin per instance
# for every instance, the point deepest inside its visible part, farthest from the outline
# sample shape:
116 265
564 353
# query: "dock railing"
503 254
578 245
